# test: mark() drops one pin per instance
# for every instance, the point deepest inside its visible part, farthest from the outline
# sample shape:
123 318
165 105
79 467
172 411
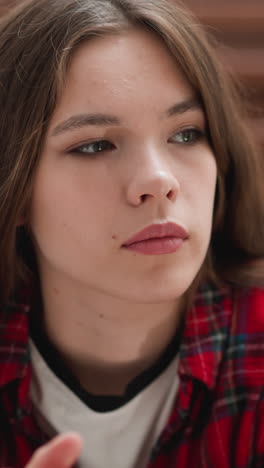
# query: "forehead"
124 71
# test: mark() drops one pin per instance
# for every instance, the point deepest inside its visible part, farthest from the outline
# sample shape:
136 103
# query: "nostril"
170 195
144 197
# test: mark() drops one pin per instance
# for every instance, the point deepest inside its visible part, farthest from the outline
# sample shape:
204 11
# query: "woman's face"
126 148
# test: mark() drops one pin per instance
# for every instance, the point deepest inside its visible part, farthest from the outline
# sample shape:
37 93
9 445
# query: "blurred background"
238 25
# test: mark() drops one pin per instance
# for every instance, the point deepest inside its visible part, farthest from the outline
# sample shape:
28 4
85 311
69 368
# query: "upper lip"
158 231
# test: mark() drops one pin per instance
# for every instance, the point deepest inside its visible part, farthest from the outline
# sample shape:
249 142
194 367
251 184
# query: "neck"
107 341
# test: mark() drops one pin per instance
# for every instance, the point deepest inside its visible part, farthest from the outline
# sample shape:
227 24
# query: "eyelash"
199 135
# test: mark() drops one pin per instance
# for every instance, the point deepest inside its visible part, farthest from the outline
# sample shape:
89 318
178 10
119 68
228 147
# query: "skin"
50 455
109 311
119 309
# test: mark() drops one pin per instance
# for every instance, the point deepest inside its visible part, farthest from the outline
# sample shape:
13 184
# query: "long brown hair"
37 40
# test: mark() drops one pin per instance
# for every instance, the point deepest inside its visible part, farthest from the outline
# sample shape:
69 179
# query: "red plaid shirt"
218 416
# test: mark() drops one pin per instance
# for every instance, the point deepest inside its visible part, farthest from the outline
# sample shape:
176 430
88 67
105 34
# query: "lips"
159 232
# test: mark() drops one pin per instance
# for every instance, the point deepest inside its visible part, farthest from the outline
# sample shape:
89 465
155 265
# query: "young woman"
131 240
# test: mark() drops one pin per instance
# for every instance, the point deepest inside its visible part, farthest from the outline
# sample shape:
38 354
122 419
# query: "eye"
94 147
187 137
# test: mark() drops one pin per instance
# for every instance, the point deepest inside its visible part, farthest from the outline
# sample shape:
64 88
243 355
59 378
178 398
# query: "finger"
61 452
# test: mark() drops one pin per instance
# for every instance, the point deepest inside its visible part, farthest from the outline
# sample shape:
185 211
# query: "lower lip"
156 246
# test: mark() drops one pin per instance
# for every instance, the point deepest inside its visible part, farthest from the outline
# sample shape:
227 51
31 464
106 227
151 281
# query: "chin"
166 290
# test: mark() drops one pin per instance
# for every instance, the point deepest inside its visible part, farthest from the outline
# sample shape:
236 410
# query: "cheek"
206 204
201 195
69 207
200 179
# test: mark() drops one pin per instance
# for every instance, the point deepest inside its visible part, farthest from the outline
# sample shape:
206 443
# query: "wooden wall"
239 26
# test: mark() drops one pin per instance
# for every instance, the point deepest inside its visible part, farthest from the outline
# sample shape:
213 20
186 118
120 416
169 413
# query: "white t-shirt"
122 438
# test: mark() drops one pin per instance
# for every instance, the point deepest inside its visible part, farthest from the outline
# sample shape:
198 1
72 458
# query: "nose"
153 178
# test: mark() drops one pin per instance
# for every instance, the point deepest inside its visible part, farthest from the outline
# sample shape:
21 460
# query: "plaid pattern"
218 416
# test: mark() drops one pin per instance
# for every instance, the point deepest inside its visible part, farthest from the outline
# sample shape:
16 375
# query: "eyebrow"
83 120
191 104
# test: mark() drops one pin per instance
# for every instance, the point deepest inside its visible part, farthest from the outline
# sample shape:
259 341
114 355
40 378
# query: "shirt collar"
205 333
